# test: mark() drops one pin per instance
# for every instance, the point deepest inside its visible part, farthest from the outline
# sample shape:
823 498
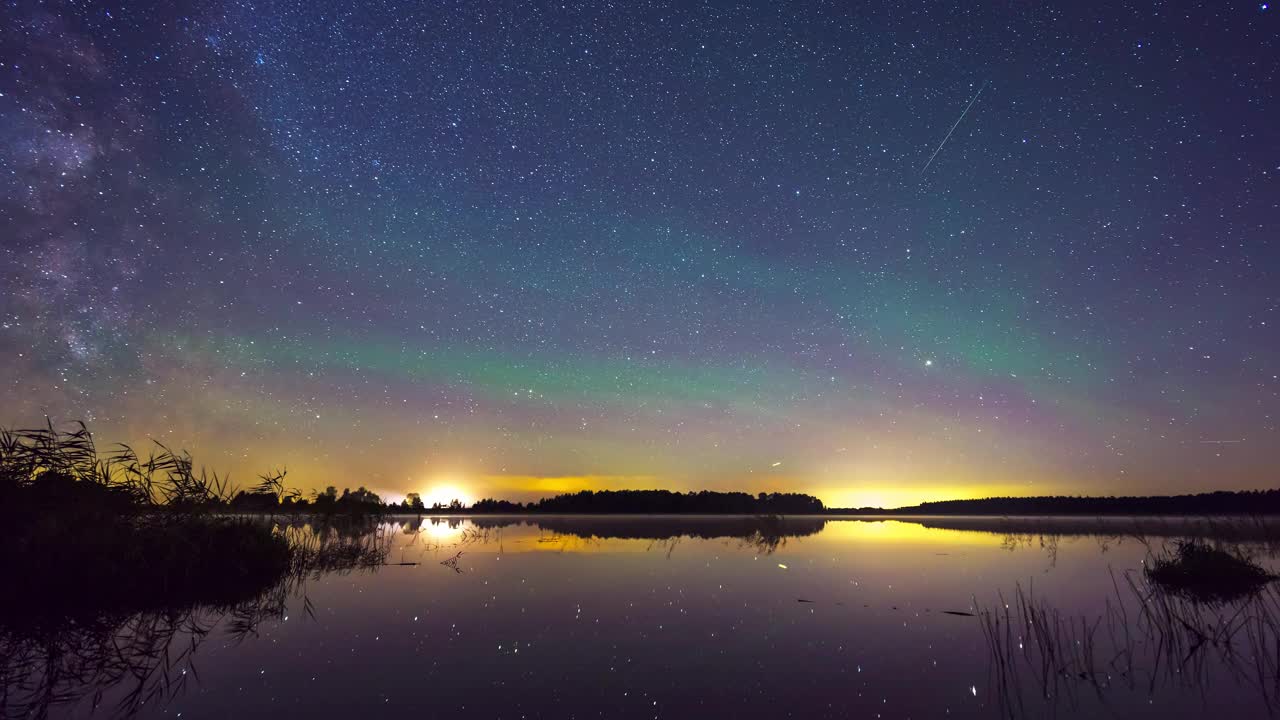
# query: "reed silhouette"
1152 634
125 527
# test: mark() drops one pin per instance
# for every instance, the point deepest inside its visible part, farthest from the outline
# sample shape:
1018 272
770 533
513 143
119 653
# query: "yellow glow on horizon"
532 487
535 486
896 497
446 491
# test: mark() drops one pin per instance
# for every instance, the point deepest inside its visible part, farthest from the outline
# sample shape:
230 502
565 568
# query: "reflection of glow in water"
441 531
896 531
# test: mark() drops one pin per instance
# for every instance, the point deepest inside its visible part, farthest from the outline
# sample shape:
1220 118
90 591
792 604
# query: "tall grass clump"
1203 573
118 565
128 530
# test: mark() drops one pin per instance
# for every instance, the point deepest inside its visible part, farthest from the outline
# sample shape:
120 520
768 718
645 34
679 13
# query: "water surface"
637 617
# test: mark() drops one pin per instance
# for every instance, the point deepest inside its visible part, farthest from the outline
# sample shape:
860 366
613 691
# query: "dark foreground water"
693 617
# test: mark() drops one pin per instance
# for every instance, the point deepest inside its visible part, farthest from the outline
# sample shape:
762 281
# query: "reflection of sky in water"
850 621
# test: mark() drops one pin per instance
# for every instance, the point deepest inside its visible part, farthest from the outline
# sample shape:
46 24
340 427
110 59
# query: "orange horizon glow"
886 468
446 489
530 488
895 477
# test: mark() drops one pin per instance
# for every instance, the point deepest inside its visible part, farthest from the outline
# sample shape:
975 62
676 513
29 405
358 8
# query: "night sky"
497 248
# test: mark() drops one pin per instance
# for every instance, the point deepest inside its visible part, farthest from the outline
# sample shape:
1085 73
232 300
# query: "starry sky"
879 252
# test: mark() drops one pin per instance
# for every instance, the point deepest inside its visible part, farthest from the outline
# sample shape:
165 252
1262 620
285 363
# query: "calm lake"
634 617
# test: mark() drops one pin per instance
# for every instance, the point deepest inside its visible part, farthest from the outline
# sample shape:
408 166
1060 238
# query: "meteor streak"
953 127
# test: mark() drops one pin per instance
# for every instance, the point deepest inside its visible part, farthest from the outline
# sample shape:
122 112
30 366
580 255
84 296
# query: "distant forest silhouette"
1246 502
362 501
625 527
664 502
708 502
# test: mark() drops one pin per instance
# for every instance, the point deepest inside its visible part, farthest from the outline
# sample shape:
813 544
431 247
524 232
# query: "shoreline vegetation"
143 533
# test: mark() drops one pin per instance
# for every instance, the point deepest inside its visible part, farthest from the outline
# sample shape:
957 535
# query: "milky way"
530 248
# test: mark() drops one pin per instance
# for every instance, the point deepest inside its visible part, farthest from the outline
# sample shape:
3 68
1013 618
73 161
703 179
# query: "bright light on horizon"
906 496
445 492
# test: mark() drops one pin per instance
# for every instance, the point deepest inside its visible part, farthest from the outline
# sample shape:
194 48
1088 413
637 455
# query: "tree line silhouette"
604 502
130 530
1245 502
679 503
708 502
